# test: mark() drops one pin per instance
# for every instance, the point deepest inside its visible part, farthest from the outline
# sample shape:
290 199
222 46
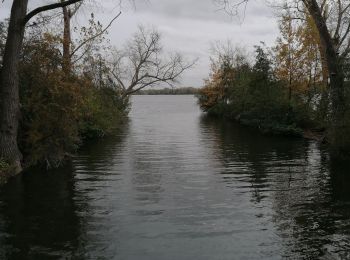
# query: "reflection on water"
307 198
176 185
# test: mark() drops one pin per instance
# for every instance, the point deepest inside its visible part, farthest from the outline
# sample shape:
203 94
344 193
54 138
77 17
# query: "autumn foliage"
253 94
59 110
286 89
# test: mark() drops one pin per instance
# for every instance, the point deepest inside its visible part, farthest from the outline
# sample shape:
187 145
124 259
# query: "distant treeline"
169 91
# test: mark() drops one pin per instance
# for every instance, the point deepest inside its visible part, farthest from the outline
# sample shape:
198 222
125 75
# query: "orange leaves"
298 59
214 91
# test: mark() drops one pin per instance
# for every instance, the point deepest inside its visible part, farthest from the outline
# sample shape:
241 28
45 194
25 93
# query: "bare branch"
75 9
95 36
142 63
40 9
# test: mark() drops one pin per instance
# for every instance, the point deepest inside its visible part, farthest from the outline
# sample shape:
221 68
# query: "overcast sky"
186 26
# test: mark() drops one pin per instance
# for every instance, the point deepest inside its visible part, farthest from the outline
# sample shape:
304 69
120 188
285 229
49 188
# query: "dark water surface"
175 185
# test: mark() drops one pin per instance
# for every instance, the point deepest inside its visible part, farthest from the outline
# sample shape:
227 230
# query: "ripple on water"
175 185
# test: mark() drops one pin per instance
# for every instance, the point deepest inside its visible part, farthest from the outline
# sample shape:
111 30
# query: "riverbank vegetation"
62 86
60 108
288 88
62 83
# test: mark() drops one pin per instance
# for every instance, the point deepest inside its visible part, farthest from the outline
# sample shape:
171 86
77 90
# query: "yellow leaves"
297 54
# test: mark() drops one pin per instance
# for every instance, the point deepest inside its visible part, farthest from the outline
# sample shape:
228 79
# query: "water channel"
174 184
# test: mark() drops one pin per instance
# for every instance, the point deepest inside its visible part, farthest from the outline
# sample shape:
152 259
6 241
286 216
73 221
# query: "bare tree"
142 64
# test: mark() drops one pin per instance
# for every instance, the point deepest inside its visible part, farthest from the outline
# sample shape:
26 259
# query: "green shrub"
103 111
254 97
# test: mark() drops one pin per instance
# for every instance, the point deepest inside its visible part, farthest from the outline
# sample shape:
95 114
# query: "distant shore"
169 91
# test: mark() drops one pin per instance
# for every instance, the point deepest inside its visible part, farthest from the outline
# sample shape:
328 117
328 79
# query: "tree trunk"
9 92
67 64
334 64
325 73
290 87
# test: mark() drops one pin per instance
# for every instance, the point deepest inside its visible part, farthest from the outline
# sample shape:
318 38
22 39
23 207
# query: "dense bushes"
103 110
254 96
59 110
259 95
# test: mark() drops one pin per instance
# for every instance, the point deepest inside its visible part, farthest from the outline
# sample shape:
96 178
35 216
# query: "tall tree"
9 92
68 13
94 32
287 50
297 54
331 48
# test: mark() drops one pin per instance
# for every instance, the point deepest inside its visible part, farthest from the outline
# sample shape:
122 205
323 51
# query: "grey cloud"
187 26
199 9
